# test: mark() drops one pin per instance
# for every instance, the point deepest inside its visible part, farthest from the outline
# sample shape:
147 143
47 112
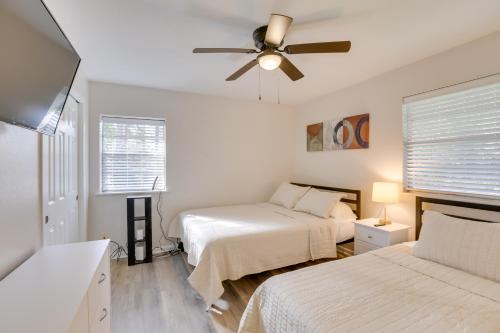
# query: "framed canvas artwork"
356 134
333 135
315 137
344 133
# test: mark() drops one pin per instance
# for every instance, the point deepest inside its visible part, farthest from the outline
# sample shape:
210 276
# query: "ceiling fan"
268 39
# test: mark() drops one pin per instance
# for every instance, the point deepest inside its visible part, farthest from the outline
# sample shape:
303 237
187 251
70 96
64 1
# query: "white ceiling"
149 42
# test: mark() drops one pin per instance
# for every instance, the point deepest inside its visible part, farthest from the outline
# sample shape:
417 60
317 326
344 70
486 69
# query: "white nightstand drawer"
372 235
362 247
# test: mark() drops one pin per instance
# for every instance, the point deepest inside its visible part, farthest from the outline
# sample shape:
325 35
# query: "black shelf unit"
131 226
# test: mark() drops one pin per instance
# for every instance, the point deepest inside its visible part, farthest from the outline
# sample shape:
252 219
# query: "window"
452 139
132 154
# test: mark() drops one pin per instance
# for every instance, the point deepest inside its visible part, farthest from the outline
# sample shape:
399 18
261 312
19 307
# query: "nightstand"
367 237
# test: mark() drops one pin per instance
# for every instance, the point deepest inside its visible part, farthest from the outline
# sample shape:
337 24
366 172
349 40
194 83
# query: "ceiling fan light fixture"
270 61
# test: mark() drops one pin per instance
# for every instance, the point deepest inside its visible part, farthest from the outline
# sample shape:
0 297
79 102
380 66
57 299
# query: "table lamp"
386 193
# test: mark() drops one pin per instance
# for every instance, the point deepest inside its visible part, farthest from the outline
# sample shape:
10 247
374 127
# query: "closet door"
60 179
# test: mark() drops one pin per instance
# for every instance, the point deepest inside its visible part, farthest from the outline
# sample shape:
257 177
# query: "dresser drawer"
372 236
362 247
99 298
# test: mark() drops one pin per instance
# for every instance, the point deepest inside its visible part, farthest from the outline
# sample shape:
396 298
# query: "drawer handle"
105 311
369 236
102 278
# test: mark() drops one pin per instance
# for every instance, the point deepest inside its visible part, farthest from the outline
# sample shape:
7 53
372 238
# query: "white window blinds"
132 154
452 140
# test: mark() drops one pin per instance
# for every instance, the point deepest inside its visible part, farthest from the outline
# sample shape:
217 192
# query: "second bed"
230 242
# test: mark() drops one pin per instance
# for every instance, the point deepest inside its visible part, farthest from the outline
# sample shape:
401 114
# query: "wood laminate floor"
157 297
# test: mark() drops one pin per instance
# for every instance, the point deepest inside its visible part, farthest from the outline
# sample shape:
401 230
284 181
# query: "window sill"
131 192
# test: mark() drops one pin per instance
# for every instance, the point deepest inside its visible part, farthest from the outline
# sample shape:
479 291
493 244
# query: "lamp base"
384 222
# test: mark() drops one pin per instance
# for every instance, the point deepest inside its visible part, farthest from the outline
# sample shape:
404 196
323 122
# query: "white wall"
20 223
219 151
20 190
382 98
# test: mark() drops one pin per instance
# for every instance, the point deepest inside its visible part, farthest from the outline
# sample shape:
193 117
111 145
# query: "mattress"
233 241
387 290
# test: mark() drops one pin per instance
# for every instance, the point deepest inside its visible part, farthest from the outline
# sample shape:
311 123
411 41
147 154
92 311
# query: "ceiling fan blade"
223 50
328 47
276 29
293 72
242 70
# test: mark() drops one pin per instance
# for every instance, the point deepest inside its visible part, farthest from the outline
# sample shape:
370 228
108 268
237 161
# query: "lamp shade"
385 192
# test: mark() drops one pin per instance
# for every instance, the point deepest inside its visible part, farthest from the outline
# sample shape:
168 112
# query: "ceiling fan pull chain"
278 85
260 89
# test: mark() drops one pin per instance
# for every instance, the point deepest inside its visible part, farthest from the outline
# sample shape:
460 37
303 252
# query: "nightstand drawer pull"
102 278
105 314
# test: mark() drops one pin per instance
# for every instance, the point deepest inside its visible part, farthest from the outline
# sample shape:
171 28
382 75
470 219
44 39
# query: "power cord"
117 253
162 253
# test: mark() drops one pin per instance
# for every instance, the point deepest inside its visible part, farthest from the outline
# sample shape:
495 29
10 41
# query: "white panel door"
60 179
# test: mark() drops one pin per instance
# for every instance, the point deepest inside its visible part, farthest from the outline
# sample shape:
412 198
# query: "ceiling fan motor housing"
259 35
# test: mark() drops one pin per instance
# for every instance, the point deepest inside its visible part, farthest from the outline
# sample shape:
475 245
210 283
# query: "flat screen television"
37 66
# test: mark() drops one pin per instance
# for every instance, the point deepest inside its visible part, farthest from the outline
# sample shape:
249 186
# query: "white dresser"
60 289
367 237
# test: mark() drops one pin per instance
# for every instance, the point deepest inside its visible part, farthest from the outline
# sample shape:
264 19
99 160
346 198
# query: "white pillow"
287 195
318 203
342 211
467 245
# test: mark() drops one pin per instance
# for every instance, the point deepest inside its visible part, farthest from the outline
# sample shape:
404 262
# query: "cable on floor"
117 253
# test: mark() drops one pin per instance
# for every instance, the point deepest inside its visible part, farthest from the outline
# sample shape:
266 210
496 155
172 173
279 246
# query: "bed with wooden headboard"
443 284
228 242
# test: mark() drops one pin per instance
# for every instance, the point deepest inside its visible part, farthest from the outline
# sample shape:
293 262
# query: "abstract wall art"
315 137
357 135
344 133
332 135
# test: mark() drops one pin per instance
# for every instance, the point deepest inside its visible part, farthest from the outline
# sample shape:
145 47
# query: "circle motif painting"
347 133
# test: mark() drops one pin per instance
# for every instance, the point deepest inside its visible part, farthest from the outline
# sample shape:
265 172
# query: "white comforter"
387 290
233 241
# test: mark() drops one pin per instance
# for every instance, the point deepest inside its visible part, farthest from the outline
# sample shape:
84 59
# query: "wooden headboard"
356 201
420 210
